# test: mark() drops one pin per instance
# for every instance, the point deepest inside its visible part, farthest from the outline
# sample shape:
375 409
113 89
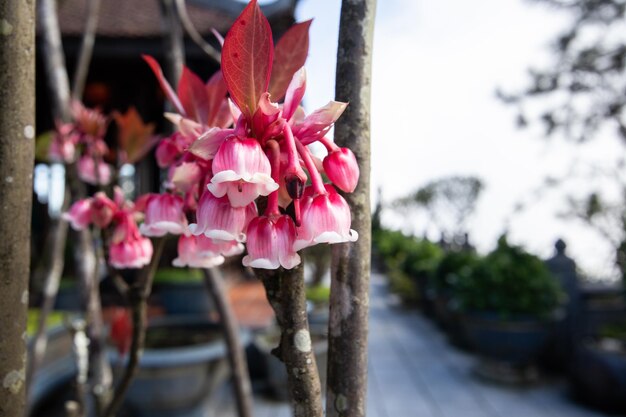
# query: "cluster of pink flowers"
83 140
231 157
127 247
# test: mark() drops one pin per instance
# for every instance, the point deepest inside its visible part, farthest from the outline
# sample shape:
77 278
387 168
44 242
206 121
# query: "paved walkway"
413 371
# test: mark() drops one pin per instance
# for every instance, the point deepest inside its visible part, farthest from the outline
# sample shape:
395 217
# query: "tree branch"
56 244
286 293
138 299
236 356
194 34
86 49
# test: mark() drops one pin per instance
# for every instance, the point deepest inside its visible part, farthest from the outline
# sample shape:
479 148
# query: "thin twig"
138 299
54 60
56 246
86 49
194 34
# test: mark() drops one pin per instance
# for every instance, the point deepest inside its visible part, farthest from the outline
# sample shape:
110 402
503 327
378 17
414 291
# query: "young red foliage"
247 58
193 96
216 91
165 86
290 55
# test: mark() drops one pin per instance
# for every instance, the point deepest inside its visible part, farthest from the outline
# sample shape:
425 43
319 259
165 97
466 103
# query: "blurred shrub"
510 281
405 259
453 269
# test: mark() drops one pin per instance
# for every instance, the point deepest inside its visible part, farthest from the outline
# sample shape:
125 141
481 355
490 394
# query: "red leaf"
165 86
291 52
192 96
247 58
216 94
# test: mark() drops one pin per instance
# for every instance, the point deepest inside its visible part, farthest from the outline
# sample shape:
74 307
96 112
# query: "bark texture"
287 295
17 144
349 297
236 356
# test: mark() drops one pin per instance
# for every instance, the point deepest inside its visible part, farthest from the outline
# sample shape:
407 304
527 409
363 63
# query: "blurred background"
498 197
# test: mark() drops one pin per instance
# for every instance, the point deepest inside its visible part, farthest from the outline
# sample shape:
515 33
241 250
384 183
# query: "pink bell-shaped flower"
102 210
128 248
342 169
270 243
242 171
169 150
217 246
134 253
217 219
193 252
325 219
79 215
164 214
63 144
87 171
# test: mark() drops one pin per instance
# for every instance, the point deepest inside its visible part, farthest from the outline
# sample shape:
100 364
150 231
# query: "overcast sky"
437 64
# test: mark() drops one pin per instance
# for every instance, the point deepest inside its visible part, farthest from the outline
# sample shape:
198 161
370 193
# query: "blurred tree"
449 202
583 89
581 95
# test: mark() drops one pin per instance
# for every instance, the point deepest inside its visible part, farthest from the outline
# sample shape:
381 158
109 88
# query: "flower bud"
342 169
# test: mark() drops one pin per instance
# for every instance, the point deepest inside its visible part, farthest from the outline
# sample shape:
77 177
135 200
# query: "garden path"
415 372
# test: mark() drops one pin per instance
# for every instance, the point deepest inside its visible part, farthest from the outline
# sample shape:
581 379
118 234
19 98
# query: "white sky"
436 66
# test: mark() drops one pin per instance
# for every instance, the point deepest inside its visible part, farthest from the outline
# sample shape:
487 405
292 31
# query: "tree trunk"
17 144
349 296
287 295
236 356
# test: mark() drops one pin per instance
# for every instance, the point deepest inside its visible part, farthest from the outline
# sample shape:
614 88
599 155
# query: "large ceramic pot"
516 341
56 369
183 362
184 298
598 376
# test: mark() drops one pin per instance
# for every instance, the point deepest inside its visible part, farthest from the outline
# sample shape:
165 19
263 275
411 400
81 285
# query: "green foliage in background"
178 276
405 259
319 294
454 268
54 319
510 281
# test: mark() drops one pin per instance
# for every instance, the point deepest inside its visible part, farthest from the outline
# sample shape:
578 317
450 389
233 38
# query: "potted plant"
408 262
181 292
454 268
58 365
510 302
